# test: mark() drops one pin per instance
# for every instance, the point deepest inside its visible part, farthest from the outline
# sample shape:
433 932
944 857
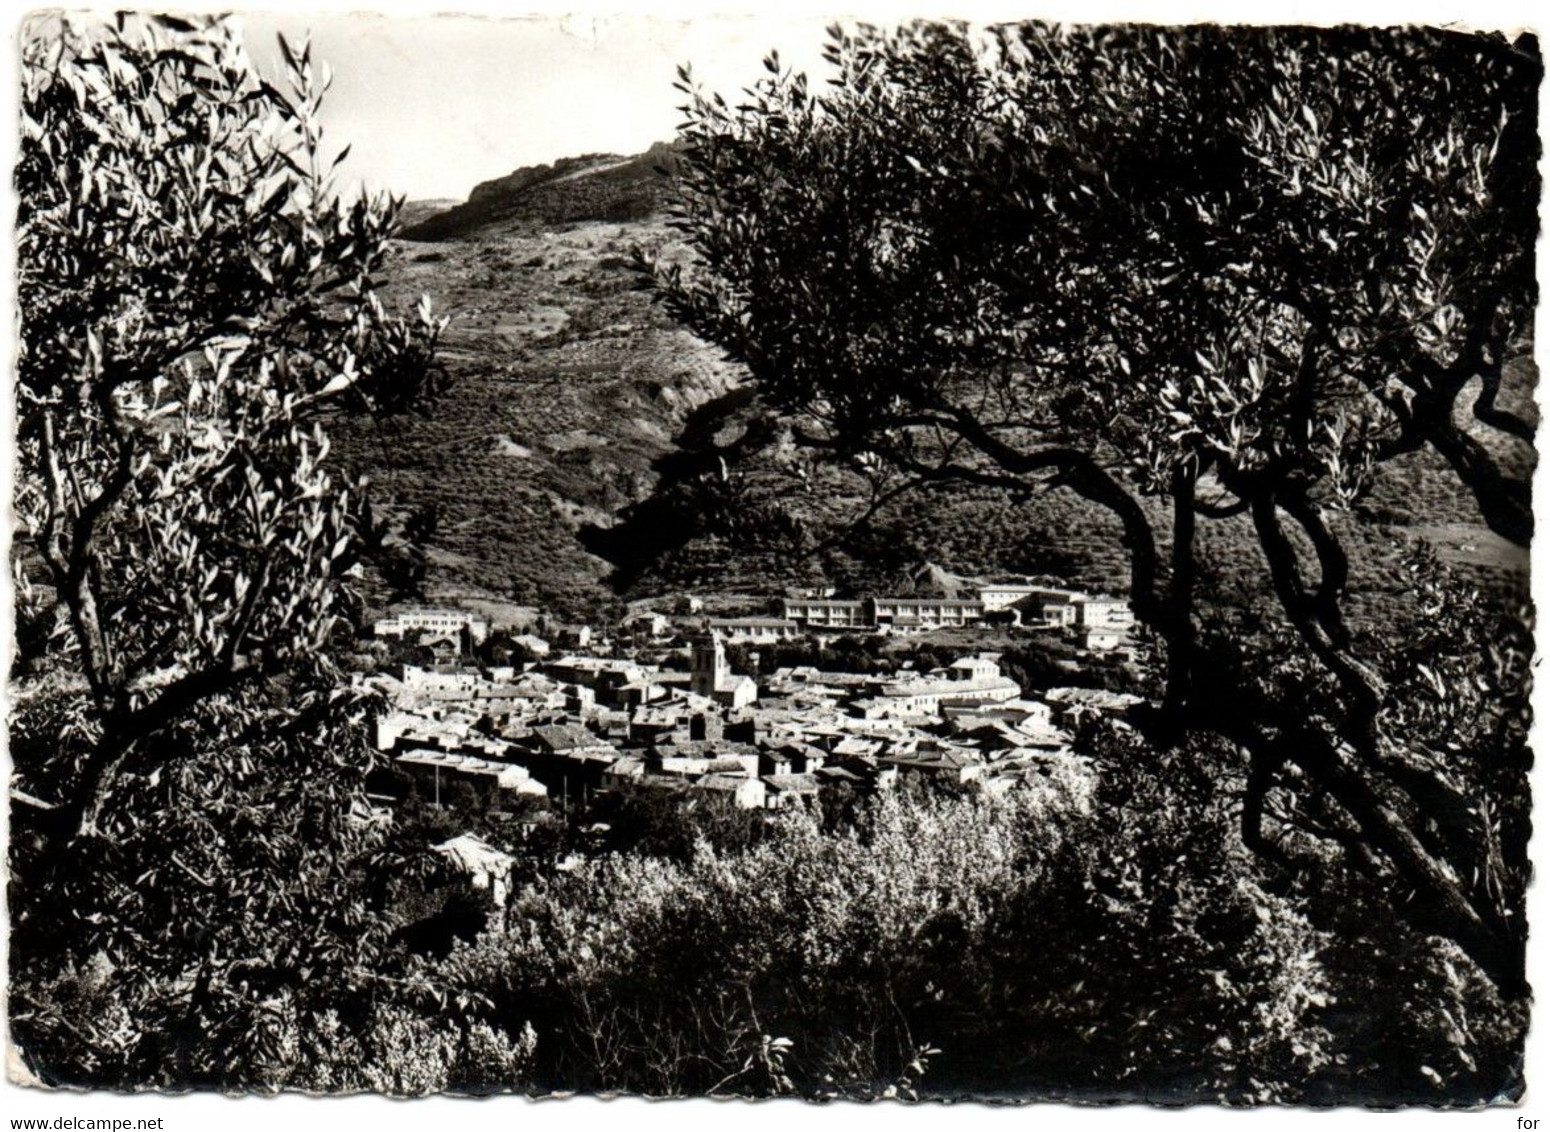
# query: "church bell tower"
709 668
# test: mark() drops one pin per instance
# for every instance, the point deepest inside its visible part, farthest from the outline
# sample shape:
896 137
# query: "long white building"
407 621
1034 604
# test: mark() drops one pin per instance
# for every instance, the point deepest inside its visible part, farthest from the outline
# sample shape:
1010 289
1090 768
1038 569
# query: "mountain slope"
569 382
595 187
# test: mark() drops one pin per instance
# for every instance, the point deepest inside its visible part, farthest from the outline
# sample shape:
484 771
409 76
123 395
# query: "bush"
1024 945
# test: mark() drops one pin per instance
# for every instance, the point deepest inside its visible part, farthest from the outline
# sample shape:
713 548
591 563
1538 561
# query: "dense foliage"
1104 936
1235 272
188 821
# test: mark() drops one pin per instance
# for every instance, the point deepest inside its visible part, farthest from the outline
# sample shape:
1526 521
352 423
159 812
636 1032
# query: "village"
541 726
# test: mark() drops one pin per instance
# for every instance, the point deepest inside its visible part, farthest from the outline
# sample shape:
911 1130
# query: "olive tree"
1196 275
195 297
196 300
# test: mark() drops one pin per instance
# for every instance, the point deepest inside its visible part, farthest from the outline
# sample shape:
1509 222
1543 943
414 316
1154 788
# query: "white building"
907 613
1104 613
407 621
969 680
447 678
753 630
983 666
827 613
743 792
1003 595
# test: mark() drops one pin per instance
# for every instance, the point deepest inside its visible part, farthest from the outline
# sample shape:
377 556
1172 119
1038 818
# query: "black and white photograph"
771 556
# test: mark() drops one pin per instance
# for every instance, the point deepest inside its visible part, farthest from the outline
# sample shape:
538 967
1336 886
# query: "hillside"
591 450
415 211
568 383
596 187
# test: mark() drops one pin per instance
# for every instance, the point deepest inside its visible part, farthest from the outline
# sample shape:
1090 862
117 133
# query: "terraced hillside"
567 384
589 449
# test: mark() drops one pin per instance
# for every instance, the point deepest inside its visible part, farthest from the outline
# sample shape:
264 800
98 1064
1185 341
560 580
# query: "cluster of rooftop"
568 727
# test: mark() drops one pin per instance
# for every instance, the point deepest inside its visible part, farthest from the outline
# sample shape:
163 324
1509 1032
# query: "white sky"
432 106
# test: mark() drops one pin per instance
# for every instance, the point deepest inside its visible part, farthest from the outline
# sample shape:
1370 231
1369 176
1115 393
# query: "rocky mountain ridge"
603 187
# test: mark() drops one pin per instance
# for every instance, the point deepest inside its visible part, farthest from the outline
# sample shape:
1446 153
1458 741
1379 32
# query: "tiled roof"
792 783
